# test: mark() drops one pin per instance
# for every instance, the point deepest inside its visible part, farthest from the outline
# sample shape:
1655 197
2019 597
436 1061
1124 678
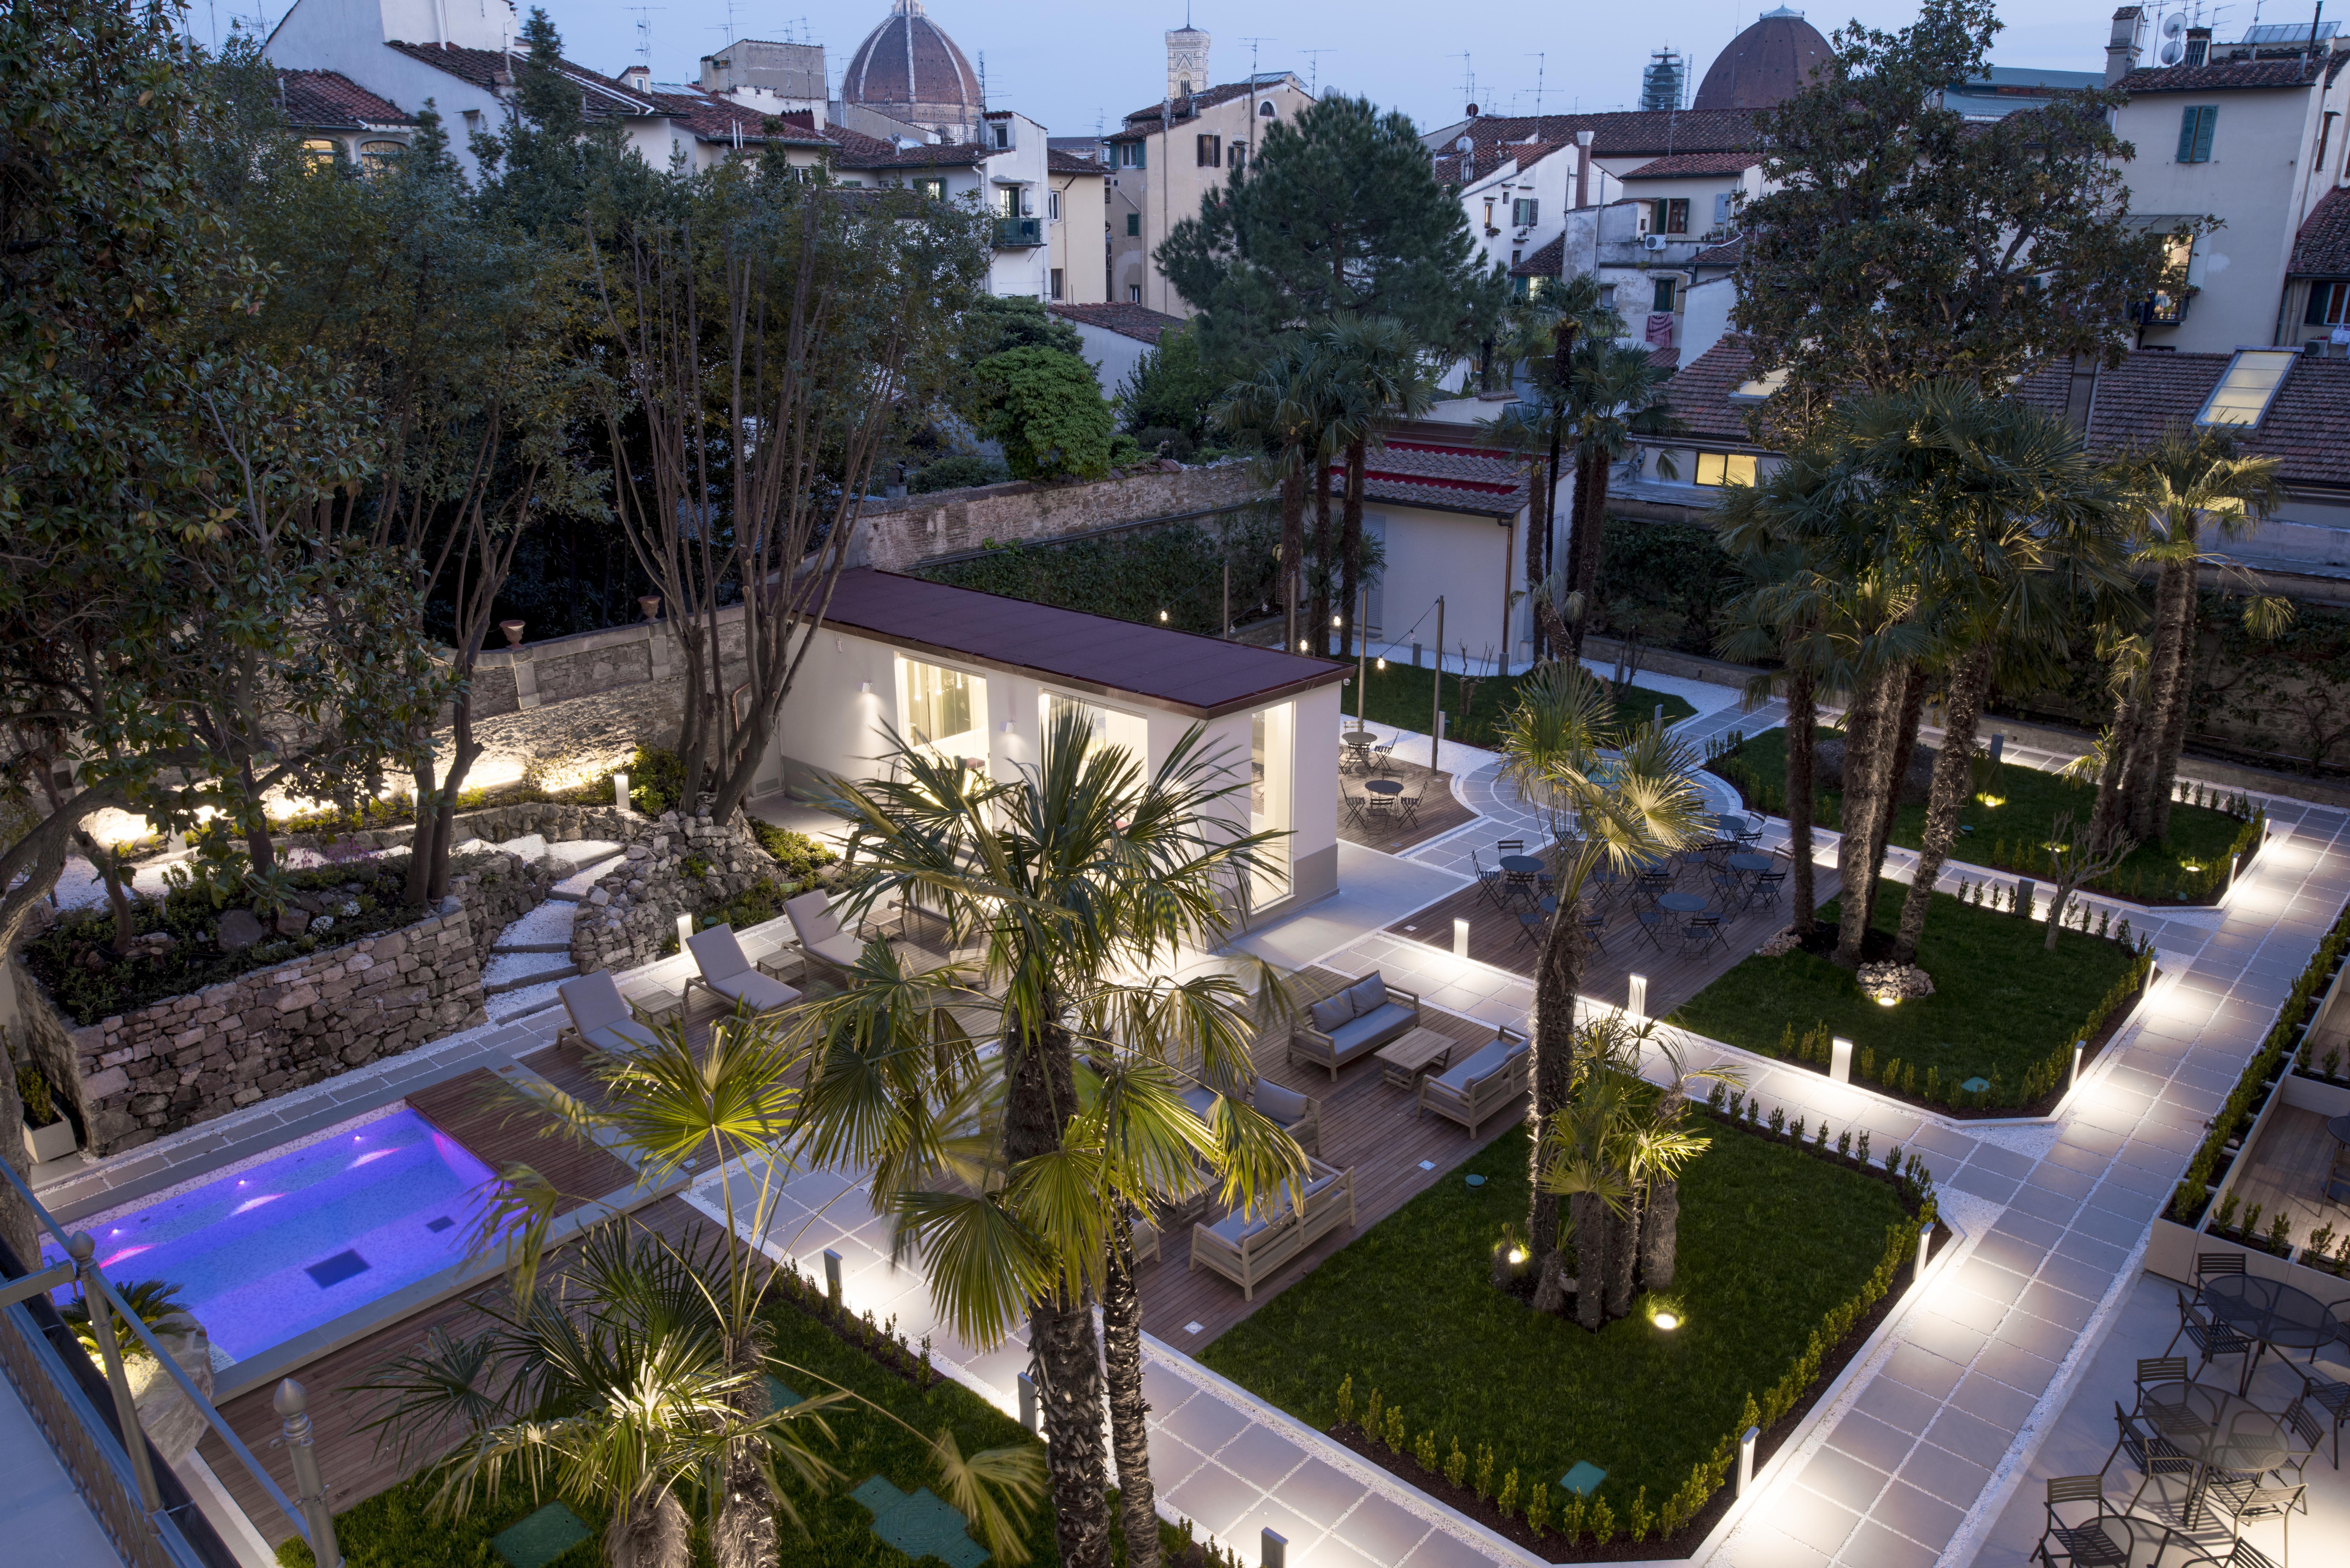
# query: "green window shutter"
2194 125
2203 132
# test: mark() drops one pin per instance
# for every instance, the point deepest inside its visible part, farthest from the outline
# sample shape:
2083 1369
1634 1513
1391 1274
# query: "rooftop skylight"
2241 399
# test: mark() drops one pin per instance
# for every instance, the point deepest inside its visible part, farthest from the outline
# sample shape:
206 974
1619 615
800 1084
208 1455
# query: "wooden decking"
1367 1127
2284 1172
1497 938
499 1132
1441 811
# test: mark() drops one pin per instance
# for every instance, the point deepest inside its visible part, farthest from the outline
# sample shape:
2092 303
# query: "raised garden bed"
1787 1258
2005 1010
2190 867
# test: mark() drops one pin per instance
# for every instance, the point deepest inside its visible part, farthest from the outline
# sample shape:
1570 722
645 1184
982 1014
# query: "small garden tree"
1047 409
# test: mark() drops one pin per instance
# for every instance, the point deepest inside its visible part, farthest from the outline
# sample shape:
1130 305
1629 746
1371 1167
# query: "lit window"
1130 733
934 190
2242 397
1760 389
1273 744
2329 303
1724 468
945 711
376 156
320 151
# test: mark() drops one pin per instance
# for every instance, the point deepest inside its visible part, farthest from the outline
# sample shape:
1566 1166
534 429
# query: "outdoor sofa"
1482 1084
1247 1249
1298 1115
600 1015
1352 1024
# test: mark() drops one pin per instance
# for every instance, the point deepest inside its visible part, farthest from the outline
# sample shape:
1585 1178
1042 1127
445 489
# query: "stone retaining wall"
630 914
923 527
189 1058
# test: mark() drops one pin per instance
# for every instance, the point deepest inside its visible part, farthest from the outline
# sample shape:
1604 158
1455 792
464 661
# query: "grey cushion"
837 949
1491 1059
1200 1099
1286 1107
1373 1029
619 1039
1369 994
1332 1012
755 991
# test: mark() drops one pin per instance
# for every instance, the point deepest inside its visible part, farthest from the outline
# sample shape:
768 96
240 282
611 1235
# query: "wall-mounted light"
1301 645
865 689
1334 620
1008 728
1162 617
1383 663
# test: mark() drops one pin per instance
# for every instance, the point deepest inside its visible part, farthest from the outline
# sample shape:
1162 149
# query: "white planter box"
52 1142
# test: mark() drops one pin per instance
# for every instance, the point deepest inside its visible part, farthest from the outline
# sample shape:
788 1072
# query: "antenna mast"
1252 43
1538 85
645 31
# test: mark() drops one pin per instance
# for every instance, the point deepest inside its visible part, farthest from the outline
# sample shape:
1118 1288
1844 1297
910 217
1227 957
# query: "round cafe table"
1383 786
2218 1429
1750 864
2340 1127
2269 1311
1359 737
1523 864
1682 903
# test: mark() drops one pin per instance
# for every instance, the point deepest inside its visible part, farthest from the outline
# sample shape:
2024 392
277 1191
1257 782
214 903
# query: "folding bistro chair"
1652 926
1488 881
1407 810
2079 1541
1768 886
1594 928
2209 1337
1702 932
2333 1398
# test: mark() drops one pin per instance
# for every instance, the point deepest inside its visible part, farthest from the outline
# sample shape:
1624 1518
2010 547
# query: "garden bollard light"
1660 715
1746 1441
309 1491
1415 656
1998 745
832 1276
1460 936
81 1249
684 930
2025 892
1840 1059
2074 1082
621 791
1635 1002
1272 1549
1029 1402
1925 1240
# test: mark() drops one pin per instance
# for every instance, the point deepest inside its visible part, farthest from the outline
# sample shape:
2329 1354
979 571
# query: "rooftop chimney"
1583 168
640 78
2198 45
2129 39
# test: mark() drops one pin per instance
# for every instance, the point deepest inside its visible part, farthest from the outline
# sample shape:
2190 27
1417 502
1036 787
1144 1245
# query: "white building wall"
1469 561
1113 355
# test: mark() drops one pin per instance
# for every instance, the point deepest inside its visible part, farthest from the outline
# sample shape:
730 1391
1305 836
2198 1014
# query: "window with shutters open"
1211 152
2195 126
1525 210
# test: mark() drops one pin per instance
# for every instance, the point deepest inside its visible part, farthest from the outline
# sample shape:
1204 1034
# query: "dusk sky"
1072 65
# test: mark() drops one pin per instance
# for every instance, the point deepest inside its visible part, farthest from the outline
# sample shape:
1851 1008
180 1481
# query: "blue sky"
1071 64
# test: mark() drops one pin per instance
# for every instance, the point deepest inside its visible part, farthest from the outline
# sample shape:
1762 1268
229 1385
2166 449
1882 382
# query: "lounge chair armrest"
1316 1035
1410 997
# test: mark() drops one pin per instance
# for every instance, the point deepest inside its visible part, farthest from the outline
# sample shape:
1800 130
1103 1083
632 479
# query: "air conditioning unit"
1653 241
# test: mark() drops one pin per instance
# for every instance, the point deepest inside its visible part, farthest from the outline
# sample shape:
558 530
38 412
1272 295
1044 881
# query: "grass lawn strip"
2002 1004
2010 836
1405 698
394 1530
1771 1241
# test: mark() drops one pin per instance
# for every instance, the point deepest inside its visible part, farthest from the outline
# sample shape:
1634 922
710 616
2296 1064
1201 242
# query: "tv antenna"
1252 43
1314 69
1468 80
1538 84
645 31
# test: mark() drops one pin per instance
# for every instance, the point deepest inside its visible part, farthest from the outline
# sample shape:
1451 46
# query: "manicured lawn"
2010 835
2001 1003
392 1532
1405 697
1770 1241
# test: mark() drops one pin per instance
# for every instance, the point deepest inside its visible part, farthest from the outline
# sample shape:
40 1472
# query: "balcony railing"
1019 233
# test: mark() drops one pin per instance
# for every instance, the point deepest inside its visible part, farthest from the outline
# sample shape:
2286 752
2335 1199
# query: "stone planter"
54 1141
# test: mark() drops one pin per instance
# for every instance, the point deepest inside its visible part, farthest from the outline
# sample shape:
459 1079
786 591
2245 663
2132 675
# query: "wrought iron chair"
1768 886
1702 932
2209 1337
1488 881
2208 1264
2333 1398
2150 1453
2079 1543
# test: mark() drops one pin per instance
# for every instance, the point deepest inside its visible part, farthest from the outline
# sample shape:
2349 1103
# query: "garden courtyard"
1886 1409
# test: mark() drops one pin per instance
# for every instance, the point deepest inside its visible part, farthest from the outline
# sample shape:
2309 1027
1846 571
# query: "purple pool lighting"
308 1237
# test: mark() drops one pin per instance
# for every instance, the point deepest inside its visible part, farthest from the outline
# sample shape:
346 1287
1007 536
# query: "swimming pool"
280 1248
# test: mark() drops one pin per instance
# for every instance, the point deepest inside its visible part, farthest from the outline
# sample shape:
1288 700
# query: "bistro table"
1750 864
1383 786
2340 1127
2215 1429
2138 1543
2270 1312
1682 903
1358 743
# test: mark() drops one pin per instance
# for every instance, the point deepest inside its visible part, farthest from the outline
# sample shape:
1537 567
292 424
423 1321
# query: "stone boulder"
173 1423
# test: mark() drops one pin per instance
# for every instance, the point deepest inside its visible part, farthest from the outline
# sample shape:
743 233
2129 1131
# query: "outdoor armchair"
1483 1084
600 1015
728 973
1353 1023
1248 1249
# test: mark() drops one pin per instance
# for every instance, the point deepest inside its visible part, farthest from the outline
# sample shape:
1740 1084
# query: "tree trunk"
649 1533
1905 748
1953 786
743 1533
443 835
2113 804
1292 550
2172 740
1623 1253
1803 720
1579 524
108 867
1591 1230
1128 1411
1550 1285
256 835
1040 1102
1661 1235
1537 514
1590 540
1551 1071
2161 677
1350 546
1326 549
1862 722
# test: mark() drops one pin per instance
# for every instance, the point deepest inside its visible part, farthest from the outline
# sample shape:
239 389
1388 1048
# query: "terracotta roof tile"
482 68
1682 165
1127 320
1548 262
2307 428
1481 481
2322 249
713 119
1698 393
2233 75
1146 119
1059 163
868 153
1652 133
1730 253
323 99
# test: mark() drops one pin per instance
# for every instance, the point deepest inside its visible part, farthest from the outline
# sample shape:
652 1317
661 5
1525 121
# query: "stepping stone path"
532 956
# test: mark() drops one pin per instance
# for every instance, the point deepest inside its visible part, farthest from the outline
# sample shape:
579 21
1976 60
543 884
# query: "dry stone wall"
630 914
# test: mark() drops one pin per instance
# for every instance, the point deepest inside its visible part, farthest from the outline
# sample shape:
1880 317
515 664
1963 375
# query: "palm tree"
1084 871
1284 404
1781 613
2007 526
2181 483
1378 373
1615 399
1633 796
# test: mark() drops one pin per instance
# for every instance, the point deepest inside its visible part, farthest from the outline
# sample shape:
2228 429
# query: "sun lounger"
726 972
600 1014
822 940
